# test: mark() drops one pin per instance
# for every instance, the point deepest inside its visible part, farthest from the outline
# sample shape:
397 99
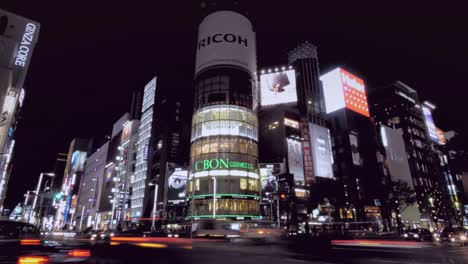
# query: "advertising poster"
176 188
278 88
269 178
431 128
307 151
295 160
321 151
78 161
353 140
441 137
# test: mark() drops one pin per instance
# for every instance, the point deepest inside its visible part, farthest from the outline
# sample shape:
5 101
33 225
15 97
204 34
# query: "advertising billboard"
269 178
295 160
278 88
8 109
441 136
321 151
431 128
226 38
176 187
78 161
396 158
307 151
342 89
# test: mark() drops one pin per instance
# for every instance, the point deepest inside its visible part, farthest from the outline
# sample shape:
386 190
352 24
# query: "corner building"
224 180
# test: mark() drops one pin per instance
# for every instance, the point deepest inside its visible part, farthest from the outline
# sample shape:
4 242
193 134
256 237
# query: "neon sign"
214 164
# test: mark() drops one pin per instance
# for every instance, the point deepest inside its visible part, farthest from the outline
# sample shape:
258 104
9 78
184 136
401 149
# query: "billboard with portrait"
269 178
278 88
176 187
321 151
295 160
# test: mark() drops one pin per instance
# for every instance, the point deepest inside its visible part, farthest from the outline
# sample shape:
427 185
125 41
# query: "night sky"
91 56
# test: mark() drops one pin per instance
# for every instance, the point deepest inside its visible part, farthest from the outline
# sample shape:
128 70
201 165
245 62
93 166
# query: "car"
21 242
452 234
214 229
418 234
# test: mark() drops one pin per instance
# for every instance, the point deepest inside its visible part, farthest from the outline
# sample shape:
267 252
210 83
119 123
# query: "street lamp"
39 187
155 200
214 197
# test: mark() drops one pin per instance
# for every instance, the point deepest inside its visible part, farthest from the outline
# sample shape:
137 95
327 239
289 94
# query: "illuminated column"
224 181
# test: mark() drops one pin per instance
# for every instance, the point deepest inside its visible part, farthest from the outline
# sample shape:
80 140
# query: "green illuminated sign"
214 164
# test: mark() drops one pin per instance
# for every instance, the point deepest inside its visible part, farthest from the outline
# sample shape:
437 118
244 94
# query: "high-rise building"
89 194
293 132
356 148
139 181
77 154
18 36
224 180
398 106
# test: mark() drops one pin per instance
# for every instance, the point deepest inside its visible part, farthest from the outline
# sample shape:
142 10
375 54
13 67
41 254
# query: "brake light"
32 260
79 253
30 242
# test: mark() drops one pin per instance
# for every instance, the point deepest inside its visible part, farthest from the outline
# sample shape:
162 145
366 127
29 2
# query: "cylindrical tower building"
224 181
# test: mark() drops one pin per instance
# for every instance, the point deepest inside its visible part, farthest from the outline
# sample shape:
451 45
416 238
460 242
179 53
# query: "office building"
356 148
224 180
398 106
18 37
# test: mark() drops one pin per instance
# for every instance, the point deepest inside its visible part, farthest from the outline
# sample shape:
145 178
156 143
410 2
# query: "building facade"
18 36
224 180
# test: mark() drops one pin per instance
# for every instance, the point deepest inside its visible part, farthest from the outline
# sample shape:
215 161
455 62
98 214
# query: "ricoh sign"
225 38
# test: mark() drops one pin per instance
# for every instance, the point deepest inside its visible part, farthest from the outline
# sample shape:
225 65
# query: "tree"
400 196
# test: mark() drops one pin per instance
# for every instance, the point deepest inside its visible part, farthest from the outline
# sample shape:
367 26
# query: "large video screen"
269 179
321 149
78 160
278 88
177 185
431 128
342 89
295 160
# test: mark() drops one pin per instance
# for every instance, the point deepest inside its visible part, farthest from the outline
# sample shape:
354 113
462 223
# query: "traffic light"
283 196
58 195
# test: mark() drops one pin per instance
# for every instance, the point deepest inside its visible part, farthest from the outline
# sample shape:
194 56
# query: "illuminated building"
355 146
74 168
224 180
139 180
398 106
89 195
18 36
294 132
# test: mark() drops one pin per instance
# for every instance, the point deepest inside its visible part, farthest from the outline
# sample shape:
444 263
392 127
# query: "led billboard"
278 88
342 89
441 136
78 161
176 187
295 160
269 178
431 128
321 151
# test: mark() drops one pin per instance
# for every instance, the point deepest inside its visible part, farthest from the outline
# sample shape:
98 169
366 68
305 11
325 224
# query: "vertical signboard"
6 115
295 160
321 151
307 150
431 129
177 185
